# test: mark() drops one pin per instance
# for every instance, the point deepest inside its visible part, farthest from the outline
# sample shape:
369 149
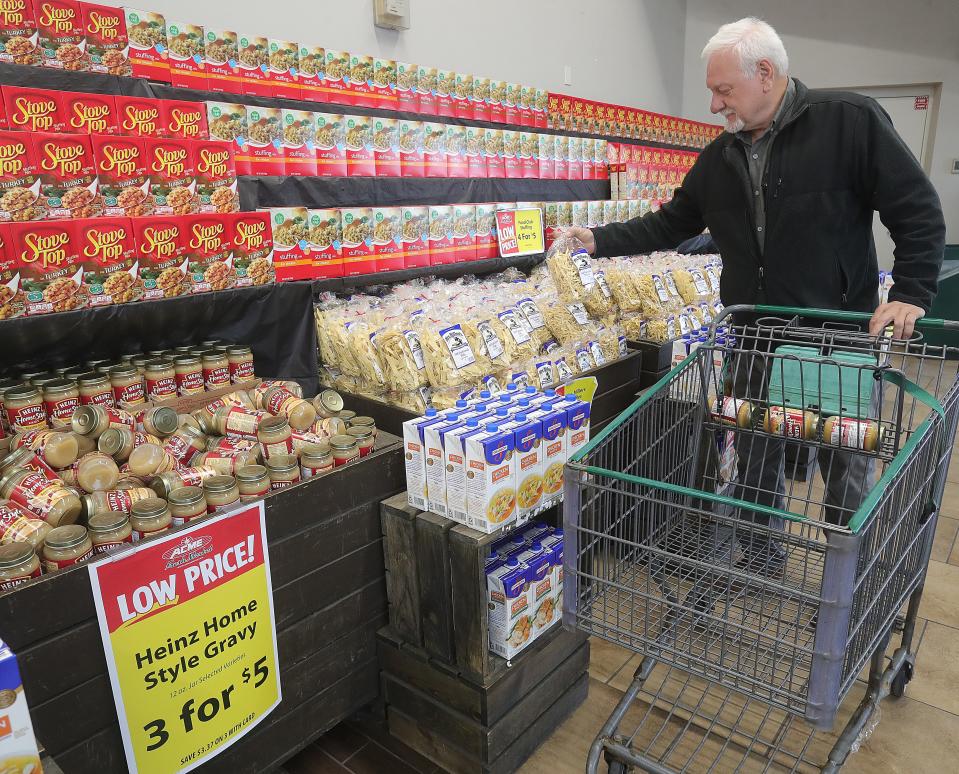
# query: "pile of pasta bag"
430 343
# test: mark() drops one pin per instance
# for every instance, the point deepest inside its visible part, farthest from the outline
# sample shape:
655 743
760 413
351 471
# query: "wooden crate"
329 600
436 586
465 727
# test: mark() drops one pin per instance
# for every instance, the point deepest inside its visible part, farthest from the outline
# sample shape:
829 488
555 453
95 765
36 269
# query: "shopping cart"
758 598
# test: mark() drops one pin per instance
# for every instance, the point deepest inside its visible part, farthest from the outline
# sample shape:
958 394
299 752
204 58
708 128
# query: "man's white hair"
753 40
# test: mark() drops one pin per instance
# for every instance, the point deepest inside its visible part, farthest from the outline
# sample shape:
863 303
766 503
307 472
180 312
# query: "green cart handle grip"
838 315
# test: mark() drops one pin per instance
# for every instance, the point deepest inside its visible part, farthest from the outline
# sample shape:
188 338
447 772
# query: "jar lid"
212 357
331 400
16 457
85 419
219 484
274 424
251 473
26 376
282 463
14 554
158 365
149 508
21 392
362 422
347 415
342 443
70 536
120 371
239 349
186 360
8 477
140 360
157 352
164 419
107 367
8 381
42 381
187 495
182 350
92 379
361 433
111 441
95 363
107 522
211 342
315 451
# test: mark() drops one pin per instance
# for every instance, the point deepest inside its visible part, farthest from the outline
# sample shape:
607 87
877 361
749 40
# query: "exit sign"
922 103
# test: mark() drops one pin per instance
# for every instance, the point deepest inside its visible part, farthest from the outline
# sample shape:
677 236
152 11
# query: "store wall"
855 43
628 52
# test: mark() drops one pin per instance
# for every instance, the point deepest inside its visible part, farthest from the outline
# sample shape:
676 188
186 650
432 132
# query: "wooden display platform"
489 728
329 601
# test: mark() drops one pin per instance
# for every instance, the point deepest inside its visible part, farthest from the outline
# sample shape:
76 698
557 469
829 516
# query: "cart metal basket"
753 594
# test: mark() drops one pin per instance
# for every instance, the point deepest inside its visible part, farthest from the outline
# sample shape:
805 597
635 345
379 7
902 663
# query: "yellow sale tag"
520 232
189 635
583 388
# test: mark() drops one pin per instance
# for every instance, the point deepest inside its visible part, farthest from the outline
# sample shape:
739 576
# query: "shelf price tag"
190 640
520 232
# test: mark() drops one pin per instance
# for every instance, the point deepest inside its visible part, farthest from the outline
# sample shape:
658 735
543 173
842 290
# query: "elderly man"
788 194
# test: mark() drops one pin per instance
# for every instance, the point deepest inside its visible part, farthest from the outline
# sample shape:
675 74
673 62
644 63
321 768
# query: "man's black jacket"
835 161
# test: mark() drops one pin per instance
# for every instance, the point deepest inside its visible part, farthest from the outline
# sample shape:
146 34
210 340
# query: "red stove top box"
162 248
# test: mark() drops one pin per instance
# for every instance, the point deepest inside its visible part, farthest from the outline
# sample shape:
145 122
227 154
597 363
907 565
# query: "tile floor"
916 734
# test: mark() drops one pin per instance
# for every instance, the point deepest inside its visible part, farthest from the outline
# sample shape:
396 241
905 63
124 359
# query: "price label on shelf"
520 232
189 636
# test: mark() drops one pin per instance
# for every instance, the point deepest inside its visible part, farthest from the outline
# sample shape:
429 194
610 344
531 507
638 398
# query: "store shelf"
275 320
46 78
274 191
328 593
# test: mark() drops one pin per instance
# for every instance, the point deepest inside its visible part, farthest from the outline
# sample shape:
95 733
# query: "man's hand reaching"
585 236
903 317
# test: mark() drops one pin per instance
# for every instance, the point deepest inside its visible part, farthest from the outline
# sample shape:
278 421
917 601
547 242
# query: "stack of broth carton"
496 460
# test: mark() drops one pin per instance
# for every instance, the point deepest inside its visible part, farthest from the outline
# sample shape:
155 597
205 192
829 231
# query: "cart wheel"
902 678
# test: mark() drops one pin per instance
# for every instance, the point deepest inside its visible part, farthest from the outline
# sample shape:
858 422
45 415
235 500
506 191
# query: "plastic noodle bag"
662 329
512 329
599 298
692 284
636 328
571 268
361 340
450 359
445 397
568 322
532 310
493 346
545 373
401 356
416 401
612 343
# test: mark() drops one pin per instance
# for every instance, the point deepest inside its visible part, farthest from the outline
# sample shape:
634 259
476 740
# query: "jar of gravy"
165 483
221 493
364 439
160 378
186 504
119 442
275 437
60 398
109 531
345 450
18 564
25 458
94 421
65 547
120 500
96 472
189 375
240 359
347 416
253 482
185 444
149 459
127 383
19 526
279 401
24 407
57 449
95 389
315 459
216 370
236 422
44 497
328 403
284 471
150 517
161 421
367 422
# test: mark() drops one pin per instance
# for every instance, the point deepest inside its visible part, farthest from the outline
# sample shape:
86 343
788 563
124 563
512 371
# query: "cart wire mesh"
670 559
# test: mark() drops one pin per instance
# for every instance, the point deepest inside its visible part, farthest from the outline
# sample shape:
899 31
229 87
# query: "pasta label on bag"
601 281
458 346
563 371
699 281
514 326
533 316
584 267
416 349
713 279
583 360
660 289
596 351
579 313
621 341
494 347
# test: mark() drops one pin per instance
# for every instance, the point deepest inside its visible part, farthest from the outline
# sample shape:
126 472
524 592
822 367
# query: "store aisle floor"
916 734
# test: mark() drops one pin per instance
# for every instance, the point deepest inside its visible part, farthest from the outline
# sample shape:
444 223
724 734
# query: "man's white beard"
735 125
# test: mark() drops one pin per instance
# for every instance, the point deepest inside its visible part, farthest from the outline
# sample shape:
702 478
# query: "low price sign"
520 232
188 631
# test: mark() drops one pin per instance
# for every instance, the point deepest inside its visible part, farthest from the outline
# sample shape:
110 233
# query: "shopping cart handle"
836 315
